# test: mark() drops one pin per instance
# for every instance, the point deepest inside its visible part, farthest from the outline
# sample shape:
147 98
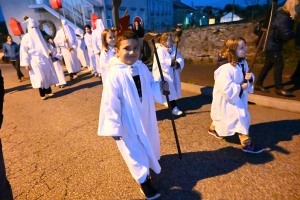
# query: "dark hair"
87 26
125 35
5 37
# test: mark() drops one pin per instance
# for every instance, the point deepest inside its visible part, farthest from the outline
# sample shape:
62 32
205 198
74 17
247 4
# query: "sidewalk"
194 76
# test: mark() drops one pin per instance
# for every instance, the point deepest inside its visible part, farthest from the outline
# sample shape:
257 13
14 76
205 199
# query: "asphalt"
52 151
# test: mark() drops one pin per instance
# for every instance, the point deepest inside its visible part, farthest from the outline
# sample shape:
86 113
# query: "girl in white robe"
89 44
108 51
229 110
56 57
34 55
97 44
171 68
66 39
82 53
127 111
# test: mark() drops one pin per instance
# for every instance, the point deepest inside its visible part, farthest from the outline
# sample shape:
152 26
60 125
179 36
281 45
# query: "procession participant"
127 111
97 44
81 49
56 57
34 55
229 110
108 51
12 50
280 32
171 68
66 39
139 31
89 44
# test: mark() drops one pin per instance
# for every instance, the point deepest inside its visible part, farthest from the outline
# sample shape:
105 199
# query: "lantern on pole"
15 27
94 18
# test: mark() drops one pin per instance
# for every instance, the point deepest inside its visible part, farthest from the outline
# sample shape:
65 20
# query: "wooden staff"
166 93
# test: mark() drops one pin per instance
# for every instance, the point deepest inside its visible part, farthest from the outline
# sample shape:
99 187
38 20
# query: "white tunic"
171 75
97 46
89 44
229 112
70 58
56 53
42 73
104 59
123 114
82 53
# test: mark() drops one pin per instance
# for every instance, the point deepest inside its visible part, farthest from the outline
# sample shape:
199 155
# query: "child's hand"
27 67
164 85
173 62
248 76
244 86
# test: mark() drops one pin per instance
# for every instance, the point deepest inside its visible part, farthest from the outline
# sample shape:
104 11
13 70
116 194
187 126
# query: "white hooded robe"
92 57
97 43
229 112
82 53
104 59
34 52
123 114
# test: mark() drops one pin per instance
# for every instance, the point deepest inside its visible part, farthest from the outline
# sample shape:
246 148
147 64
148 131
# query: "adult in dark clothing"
5 189
11 50
281 31
139 31
295 78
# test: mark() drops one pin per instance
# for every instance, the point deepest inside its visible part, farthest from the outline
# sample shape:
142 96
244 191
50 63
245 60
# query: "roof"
178 4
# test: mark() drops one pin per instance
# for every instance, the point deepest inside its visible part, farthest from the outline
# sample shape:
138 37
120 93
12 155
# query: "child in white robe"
171 68
97 44
108 51
56 57
89 44
229 110
82 53
127 111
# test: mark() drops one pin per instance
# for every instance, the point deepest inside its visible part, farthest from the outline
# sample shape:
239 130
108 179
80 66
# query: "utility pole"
233 4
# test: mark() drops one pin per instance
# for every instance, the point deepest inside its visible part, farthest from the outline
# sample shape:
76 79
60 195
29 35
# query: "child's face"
128 51
110 39
241 49
168 42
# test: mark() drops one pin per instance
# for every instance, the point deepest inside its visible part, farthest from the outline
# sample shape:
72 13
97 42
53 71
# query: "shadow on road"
178 177
185 104
18 88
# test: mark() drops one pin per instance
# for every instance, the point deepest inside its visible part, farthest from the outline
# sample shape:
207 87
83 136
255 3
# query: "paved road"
52 151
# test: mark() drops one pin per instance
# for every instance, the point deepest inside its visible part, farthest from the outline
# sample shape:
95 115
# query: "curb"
270 102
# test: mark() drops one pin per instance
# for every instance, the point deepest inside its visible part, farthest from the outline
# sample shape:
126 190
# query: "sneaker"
50 95
75 76
148 190
43 98
166 104
214 133
92 72
176 111
96 74
250 148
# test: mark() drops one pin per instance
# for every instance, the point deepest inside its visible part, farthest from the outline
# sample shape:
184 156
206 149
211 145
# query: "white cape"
123 114
229 112
172 76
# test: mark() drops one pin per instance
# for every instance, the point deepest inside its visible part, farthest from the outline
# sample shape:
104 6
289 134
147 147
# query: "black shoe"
284 93
250 148
261 88
148 190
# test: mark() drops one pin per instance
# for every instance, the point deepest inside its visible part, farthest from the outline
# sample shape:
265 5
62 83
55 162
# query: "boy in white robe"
171 68
229 109
66 39
34 55
97 44
89 44
81 49
127 111
56 57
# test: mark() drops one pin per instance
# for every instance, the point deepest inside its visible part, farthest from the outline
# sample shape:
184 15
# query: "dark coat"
297 37
281 30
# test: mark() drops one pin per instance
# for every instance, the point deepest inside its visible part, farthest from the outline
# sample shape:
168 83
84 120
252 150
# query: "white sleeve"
24 55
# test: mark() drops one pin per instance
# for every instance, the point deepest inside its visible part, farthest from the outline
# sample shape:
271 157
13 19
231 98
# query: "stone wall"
207 41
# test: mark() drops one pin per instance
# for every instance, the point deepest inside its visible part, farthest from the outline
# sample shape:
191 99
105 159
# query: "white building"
157 15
